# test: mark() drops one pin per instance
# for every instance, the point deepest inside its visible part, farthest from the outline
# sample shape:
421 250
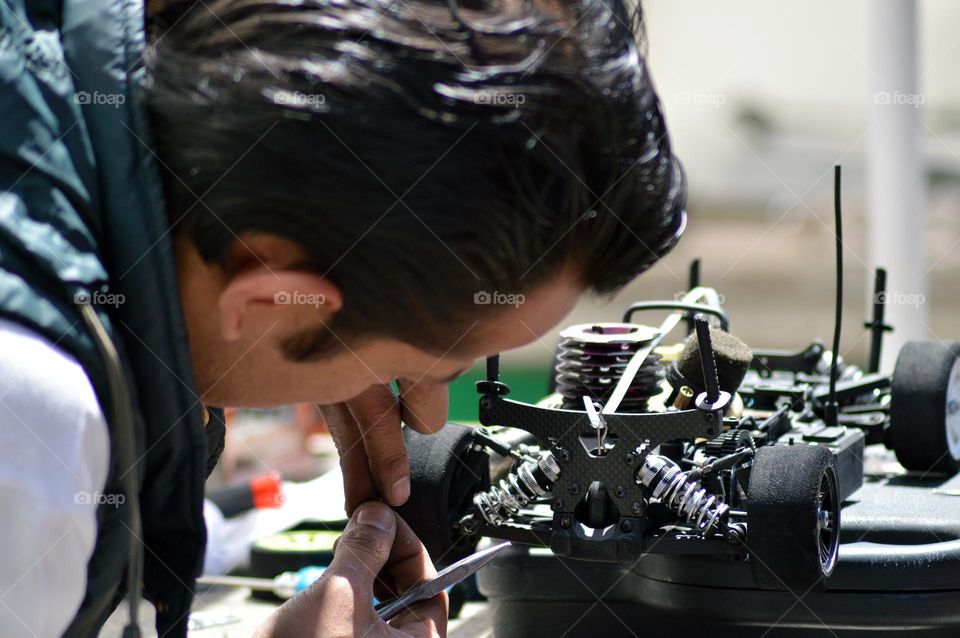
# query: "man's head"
377 183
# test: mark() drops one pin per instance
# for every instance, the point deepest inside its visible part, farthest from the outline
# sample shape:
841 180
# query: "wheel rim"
828 519
952 419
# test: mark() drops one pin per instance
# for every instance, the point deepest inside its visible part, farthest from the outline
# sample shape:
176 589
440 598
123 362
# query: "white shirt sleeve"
54 455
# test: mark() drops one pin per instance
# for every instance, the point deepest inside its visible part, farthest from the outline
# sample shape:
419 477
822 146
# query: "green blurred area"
527 383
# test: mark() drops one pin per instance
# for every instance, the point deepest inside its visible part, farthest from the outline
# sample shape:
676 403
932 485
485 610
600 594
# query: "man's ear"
280 295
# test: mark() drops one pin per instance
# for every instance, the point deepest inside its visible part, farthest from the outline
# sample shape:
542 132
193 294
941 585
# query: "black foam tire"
445 473
918 406
788 548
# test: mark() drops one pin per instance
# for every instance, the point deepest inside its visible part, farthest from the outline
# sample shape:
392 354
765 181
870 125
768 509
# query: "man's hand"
367 432
378 553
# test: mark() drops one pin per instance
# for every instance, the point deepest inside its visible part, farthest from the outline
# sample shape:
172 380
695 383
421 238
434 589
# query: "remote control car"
702 447
727 467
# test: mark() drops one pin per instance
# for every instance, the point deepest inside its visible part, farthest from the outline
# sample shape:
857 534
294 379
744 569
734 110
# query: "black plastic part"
764 361
849 391
876 323
492 385
445 473
898 576
691 308
560 431
708 363
784 500
693 281
831 408
597 509
918 406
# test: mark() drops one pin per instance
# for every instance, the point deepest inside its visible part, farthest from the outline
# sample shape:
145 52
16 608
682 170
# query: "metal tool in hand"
447 577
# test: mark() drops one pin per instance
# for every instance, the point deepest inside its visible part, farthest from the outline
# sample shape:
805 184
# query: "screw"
636 508
565 522
485 403
621 491
626 526
630 458
564 455
575 489
557 503
709 417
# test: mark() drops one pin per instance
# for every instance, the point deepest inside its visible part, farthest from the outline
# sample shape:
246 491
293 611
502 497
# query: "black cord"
832 407
122 429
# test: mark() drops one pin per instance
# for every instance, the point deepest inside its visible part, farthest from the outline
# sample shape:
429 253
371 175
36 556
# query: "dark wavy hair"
421 151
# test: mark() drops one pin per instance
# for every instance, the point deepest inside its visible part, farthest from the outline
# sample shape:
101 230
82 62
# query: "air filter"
732 355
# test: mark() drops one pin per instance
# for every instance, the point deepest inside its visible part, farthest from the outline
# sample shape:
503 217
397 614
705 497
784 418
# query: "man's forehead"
522 318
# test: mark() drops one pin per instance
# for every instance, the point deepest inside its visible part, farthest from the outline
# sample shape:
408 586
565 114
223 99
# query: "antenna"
832 408
693 282
876 323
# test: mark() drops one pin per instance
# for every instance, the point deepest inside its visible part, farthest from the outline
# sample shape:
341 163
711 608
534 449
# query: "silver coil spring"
684 496
526 483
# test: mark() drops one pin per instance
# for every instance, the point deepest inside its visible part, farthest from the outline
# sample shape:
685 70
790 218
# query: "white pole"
897 176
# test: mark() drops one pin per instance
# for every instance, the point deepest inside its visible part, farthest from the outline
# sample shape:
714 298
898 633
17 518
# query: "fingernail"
377 515
400 491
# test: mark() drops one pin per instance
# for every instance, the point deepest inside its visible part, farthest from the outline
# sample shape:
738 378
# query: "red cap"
266 490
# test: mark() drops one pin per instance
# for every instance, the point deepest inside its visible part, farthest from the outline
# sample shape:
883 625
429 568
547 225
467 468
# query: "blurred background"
762 99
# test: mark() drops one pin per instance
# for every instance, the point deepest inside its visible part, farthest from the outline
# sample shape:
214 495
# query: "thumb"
362 551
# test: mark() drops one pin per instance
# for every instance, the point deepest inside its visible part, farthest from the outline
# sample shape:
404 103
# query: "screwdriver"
284 586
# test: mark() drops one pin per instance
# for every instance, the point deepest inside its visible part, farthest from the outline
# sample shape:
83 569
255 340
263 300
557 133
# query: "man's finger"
377 413
408 565
424 406
409 562
364 546
427 619
358 485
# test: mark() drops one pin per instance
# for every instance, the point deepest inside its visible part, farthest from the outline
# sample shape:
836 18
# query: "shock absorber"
684 496
529 481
